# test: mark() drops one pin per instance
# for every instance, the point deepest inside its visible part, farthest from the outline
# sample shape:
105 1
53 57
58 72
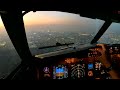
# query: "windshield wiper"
57 45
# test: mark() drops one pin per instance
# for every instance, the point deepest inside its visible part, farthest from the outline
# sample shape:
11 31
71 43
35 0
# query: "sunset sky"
49 17
55 17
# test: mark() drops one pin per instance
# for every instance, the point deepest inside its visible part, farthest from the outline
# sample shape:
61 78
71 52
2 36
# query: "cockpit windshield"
53 38
46 28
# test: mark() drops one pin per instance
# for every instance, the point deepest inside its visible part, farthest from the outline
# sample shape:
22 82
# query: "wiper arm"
57 45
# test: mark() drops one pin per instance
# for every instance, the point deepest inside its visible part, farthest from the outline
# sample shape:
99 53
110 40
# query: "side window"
9 59
112 35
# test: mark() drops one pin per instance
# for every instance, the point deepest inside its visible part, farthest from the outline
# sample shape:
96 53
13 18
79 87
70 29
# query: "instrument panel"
74 68
88 67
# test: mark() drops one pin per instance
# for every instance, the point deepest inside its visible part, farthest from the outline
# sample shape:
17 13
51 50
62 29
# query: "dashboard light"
70 60
90 73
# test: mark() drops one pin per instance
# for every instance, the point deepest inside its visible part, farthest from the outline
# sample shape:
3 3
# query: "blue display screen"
90 66
59 70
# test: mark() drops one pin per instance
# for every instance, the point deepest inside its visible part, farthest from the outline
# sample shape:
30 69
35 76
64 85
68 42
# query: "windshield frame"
101 31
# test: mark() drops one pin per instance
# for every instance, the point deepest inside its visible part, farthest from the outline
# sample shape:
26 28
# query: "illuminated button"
90 66
90 73
97 66
46 70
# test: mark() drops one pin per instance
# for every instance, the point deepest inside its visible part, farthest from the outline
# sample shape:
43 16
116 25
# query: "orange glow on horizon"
40 21
49 17
1 24
52 17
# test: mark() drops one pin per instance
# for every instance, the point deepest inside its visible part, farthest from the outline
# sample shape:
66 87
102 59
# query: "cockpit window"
112 35
9 59
46 28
